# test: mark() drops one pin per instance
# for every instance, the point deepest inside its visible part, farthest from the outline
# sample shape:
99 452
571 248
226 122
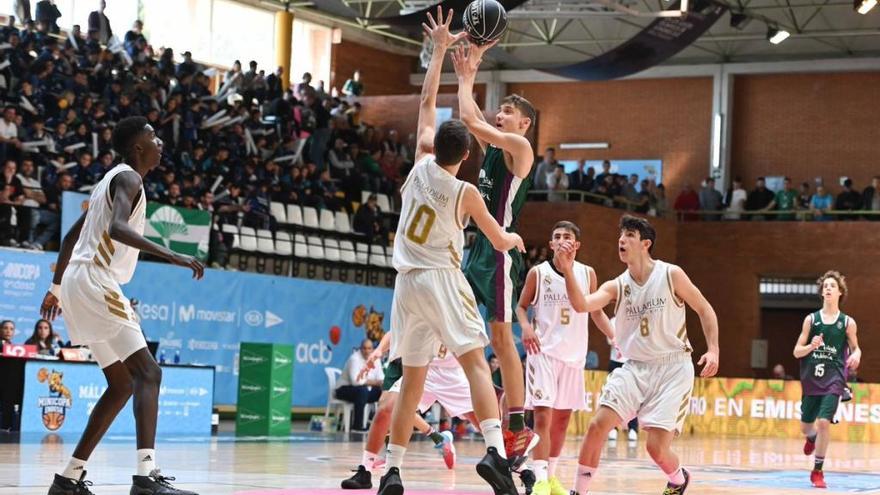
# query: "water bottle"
177 357
162 356
16 418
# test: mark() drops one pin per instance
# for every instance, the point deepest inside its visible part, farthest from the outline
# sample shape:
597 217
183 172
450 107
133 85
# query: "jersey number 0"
421 223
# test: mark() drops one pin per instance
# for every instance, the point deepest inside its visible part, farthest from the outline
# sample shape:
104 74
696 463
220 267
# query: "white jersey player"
97 255
433 303
557 345
656 381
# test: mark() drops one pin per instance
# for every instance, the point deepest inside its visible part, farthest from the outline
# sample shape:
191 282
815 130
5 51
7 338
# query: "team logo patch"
54 406
538 394
442 352
627 291
840 325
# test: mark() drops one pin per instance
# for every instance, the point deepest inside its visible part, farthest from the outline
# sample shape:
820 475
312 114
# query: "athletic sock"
812 437
820 461
492 435
517 419
584 478
676 477
394 457
434 436
74 468
551 466
146 461
368 459
540 469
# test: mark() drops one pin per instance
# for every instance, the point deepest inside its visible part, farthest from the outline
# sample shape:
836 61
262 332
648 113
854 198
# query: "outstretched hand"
438 30
466 58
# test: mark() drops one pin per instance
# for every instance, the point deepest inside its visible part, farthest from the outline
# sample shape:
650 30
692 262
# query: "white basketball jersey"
649 319
430 234
94 244
562 331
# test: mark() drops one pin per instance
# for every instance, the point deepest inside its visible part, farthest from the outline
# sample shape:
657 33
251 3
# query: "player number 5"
418 231
643 327
820 370
564 316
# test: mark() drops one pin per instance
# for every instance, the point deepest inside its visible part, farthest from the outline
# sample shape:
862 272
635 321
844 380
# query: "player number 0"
418 231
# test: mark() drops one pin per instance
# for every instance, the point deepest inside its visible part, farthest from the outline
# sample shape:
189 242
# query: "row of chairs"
311 218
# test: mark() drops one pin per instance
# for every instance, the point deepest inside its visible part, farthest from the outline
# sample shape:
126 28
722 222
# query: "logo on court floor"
54 406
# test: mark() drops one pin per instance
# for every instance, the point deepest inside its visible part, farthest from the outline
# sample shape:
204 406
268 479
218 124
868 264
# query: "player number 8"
820 370
420 235
643 327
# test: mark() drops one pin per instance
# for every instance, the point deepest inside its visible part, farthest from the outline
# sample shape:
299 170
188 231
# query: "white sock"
492 435
394 457
74 468
367 460
146 461
551 466
676 477
540 469
584 478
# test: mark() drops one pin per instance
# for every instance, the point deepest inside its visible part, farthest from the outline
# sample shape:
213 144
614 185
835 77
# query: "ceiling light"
776 35
864 6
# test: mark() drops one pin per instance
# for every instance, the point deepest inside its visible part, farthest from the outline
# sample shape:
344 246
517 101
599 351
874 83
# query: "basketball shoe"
360 480
495 470
809 446
390 484
518 445
527 477
817 478
678 489
67 486
155 484
556 487
447 448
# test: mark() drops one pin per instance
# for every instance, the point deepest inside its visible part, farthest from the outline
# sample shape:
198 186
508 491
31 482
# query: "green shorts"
393 372
814 407
496 278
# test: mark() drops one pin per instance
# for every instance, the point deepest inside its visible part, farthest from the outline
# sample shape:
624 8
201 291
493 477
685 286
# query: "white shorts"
96 312
433 307
657 392
446 385
550 382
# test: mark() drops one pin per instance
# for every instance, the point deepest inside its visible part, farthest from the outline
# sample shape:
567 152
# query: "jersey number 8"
643 327
418 231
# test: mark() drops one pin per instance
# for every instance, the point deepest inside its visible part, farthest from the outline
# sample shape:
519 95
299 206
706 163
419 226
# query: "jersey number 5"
418 231
564 316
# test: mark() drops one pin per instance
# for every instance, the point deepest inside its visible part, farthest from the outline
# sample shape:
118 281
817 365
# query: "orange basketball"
53 420
42 375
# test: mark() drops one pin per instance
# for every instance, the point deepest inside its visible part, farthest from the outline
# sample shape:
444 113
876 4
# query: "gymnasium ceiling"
545 33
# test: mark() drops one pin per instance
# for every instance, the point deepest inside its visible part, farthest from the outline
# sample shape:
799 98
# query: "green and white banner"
182 230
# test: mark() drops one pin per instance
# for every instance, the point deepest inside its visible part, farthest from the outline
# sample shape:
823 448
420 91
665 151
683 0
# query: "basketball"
485 21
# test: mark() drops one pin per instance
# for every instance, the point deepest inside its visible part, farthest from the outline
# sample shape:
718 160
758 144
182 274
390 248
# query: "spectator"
710 199
495 369
687 200
849 200
579 180
354 86
557 182
820 203
805 195
735 200
546 167
629 191
187 67
360 392
47 13
643 200
780 374
871 198
48 225
274 81
7 332
45 338
304 86
368 220
759 199
606 172
135 43
12 199
659 202
99 25
785 200
320 130
33 198
9 142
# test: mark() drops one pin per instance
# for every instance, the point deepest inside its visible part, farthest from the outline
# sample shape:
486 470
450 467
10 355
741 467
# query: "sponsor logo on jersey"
627 291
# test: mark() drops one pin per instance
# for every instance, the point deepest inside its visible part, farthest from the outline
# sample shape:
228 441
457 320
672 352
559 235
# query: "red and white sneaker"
448 449
809 446
518 445
817 478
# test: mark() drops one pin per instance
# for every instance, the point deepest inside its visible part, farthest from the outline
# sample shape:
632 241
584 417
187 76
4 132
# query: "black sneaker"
678 489
390 484
361 480
155 484
67 486
847 395
495 470
527 476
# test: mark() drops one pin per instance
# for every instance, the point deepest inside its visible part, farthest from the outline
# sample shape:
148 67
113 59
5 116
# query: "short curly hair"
838 277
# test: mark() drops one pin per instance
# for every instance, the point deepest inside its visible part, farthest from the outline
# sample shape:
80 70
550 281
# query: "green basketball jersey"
823 370
503 192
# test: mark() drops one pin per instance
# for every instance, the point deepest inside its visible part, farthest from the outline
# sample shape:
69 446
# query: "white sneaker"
612 435
633 435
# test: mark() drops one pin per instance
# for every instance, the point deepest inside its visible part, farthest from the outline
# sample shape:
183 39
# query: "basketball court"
309 463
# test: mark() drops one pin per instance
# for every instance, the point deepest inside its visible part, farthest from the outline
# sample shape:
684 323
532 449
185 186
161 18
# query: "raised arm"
466 61
691 295
529 338
582 303
473 205
441 38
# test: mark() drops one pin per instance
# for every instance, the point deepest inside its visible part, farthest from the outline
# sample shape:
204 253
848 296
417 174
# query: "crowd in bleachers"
233 151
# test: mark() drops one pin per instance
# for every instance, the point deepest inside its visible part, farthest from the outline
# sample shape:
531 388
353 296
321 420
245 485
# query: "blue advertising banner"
73 204
203 322
59 397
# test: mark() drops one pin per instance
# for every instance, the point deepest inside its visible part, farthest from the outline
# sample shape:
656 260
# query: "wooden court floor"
223 464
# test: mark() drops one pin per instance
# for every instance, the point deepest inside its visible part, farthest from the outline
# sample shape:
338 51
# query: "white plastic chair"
310 217
277 211
383 202
328 220
294 215
346 252
334 403
362 253
316 248
331 250
343 224
248 239
377 255
265 243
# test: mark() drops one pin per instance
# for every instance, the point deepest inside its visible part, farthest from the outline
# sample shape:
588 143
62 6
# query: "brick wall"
382 72
667 119
806 126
